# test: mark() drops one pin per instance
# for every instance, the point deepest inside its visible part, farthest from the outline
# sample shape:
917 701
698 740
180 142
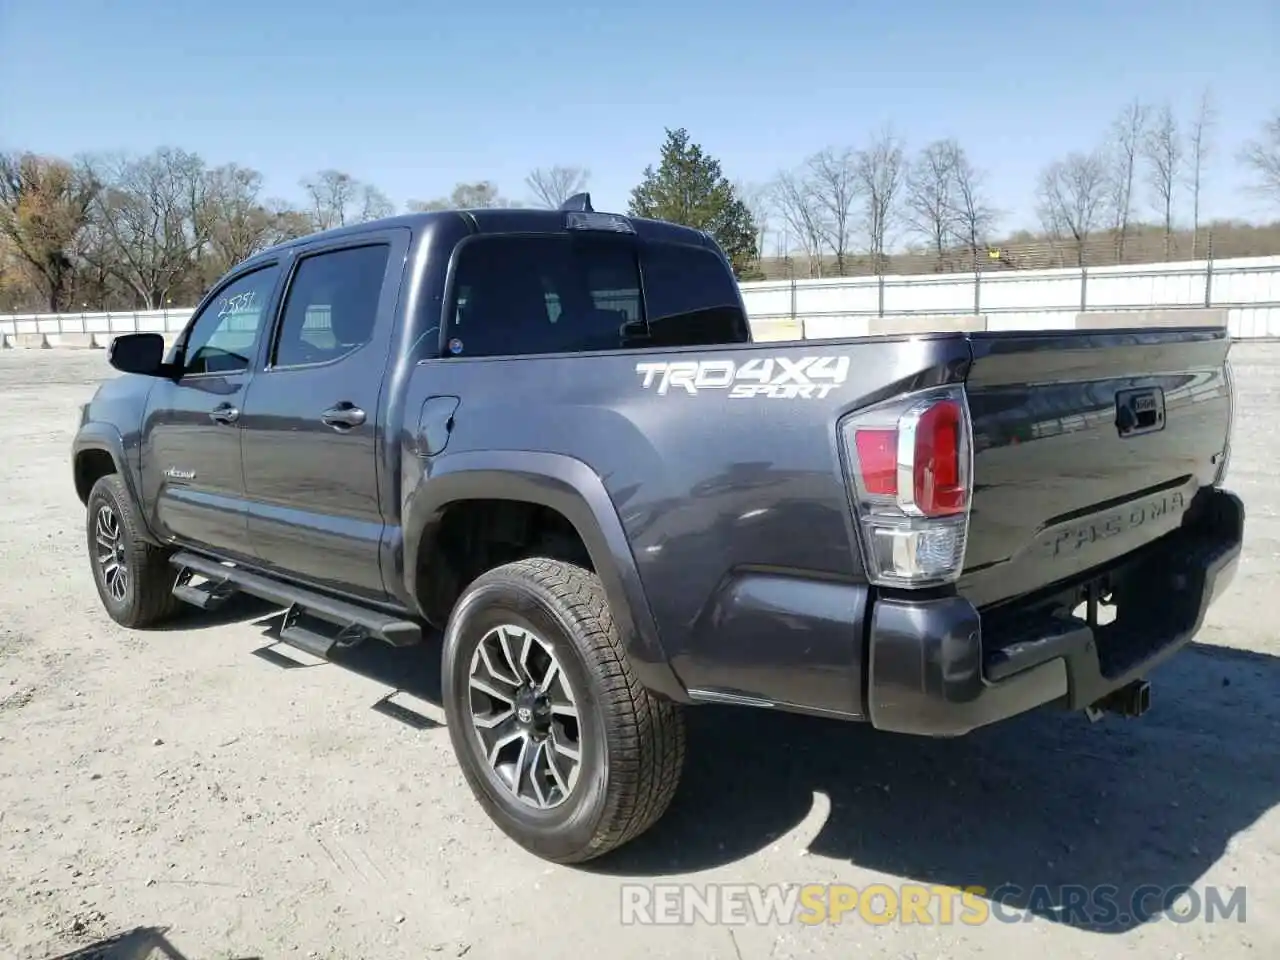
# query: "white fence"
1248 288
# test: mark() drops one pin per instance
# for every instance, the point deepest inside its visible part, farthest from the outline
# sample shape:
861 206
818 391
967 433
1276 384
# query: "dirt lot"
253 803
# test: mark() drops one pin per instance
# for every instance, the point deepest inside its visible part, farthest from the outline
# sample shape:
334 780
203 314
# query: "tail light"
910 466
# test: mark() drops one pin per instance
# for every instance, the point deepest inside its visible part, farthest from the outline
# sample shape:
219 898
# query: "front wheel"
564 748
134 578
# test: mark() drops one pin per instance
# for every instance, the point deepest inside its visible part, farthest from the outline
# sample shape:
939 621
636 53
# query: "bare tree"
793 198
553 186
1072 198
427 206
465 196
1262 157
478 195
1128 141
374 204
755 197
331 192
833 188
240 224
1201 146
881 171
931 202
45 207
97 282
287 222
118 231
975 218
1165 153
155 220
338 199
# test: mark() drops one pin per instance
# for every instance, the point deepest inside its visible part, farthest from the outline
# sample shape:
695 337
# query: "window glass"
522 295
692 297
332 305
223 338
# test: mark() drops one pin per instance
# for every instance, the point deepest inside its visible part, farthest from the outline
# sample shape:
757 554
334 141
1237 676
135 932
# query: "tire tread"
646 733
153 576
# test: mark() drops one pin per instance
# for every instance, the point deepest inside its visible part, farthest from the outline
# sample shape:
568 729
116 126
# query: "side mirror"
137 353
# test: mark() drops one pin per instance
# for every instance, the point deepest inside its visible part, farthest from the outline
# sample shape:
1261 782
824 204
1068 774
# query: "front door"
312 417
191 461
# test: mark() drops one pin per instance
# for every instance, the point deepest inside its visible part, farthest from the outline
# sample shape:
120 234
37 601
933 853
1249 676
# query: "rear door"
313 416
191 457
1086 446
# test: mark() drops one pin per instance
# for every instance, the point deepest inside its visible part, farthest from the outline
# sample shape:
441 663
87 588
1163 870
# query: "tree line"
846 209
145 232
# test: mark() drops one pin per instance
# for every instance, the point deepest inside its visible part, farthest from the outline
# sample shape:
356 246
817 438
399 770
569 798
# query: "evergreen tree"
689 188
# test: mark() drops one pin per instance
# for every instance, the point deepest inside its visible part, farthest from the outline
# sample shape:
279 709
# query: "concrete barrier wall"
66 341
60 341
1103 320
766 331
72 341
1087 320
941 323
26 341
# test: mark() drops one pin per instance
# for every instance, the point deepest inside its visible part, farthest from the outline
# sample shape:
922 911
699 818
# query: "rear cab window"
692 297
517 295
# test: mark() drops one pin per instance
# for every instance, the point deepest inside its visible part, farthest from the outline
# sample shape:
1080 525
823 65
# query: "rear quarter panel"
711 487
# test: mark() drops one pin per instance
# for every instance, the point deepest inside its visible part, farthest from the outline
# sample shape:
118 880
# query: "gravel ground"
220 796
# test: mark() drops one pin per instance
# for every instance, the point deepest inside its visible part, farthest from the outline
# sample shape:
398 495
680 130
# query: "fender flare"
572 488
104 437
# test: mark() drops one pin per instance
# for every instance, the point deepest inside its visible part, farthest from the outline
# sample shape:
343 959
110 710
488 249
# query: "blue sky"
415 96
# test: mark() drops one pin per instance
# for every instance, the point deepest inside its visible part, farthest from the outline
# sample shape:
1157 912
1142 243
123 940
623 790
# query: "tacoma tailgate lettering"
1076 537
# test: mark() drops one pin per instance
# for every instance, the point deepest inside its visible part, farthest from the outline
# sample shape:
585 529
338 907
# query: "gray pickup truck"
549 436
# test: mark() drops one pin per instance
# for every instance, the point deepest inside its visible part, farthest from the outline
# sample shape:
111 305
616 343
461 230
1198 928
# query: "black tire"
146 597
631 743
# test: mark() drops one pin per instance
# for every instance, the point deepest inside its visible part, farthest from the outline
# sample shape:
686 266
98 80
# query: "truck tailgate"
1086 446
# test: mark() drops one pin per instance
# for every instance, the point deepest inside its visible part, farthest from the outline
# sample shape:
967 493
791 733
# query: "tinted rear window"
692 297
519 295
527 295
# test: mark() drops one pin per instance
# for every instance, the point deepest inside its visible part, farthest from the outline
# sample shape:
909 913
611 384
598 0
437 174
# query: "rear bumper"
941 668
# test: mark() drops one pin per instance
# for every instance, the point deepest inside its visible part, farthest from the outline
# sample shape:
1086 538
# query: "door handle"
224 413
343 416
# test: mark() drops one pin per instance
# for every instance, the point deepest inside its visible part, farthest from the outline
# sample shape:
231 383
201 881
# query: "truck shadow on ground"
411 670
141 943
1130 812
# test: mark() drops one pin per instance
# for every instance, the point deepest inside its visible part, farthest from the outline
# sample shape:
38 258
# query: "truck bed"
726 469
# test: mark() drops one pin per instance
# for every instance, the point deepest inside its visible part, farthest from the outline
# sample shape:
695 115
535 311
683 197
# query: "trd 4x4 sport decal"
777 378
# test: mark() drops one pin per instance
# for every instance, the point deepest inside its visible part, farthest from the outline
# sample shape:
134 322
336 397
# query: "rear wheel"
564 748
134 578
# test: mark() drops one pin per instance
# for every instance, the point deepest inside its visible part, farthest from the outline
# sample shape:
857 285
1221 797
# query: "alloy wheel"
110 554
524 713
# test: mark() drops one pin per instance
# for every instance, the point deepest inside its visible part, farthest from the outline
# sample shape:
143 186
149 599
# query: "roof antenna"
580 202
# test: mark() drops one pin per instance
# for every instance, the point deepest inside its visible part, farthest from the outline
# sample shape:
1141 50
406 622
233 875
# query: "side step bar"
354 622
318 642
206 596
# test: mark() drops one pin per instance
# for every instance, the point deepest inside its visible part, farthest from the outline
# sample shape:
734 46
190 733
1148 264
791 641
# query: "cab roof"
507 220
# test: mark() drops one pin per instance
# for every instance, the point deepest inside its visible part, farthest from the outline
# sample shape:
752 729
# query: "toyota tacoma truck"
544 445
